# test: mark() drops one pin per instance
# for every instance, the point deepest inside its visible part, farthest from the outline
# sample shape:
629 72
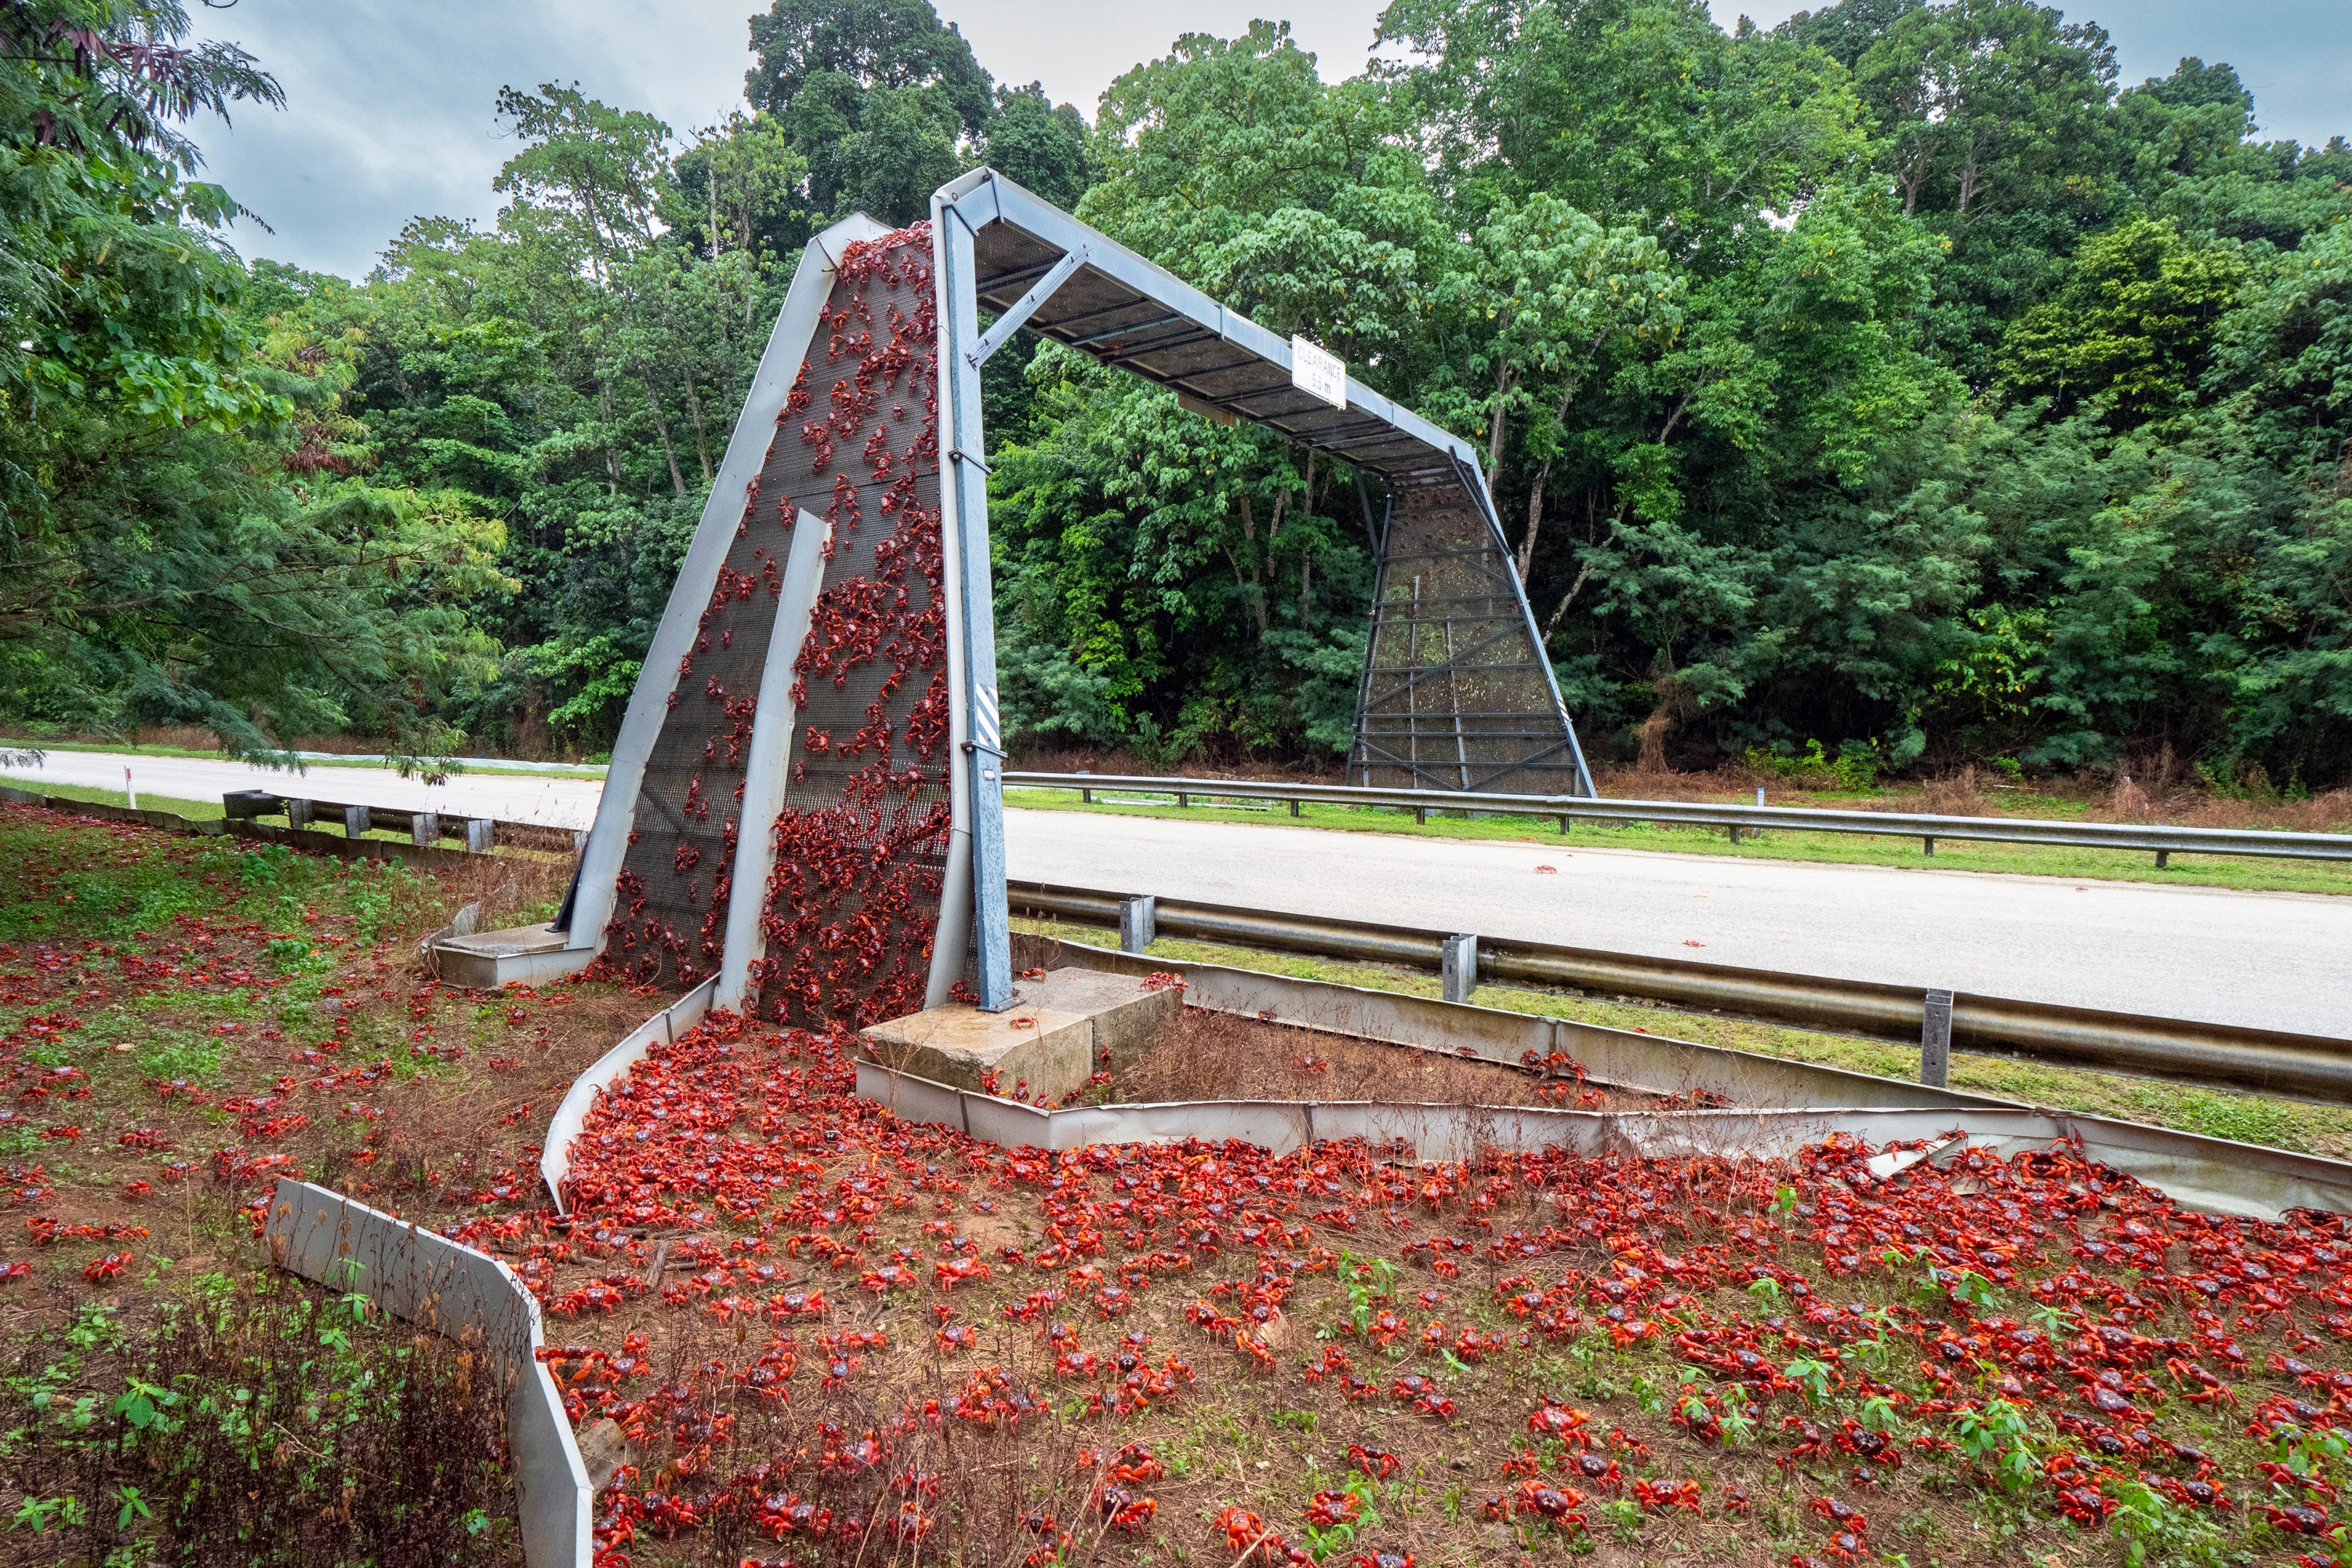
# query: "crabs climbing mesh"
848 915
669 922
861 844
1453 697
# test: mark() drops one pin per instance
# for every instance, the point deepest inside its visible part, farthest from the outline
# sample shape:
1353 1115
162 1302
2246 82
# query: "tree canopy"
1895 379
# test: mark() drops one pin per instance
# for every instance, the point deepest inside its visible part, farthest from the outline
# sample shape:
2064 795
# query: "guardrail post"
479 832
244 805
1564 821
1931 845
1182 800
1420 815
1935 1040
424 827
298 813
1087 795
1458 967
1138 923
355 822
2163 858
1294 808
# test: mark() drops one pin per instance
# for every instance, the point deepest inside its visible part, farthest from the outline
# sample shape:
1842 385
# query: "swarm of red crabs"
2039 1326
192 956
846 916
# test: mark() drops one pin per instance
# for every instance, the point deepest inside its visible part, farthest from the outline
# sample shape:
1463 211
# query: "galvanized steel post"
1138 923
985 753
1935 1040
1458 967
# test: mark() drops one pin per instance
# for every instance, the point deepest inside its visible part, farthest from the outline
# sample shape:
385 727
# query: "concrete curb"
470 1296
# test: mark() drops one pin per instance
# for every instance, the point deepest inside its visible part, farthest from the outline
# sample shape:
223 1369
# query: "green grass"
2252 1119
1779 844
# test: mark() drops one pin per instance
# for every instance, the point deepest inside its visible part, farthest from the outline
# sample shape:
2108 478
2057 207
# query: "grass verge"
193 810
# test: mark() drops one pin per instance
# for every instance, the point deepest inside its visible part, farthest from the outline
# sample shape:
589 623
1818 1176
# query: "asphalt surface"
2278 961
2274 961
512 797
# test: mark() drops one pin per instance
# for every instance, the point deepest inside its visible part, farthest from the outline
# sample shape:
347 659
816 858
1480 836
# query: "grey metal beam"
768 765
1021 310
965 516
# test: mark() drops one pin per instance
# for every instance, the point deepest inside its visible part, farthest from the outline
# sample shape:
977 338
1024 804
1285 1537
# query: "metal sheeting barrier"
2208 1174
1649 1064
468 1295
662 1028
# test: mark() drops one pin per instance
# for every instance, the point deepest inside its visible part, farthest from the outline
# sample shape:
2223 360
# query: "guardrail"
2307 1066
2163 842
478 834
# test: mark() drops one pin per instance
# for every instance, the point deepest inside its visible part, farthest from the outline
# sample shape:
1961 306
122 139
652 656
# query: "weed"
1996 1437
143 1441
195 1057
2154 1530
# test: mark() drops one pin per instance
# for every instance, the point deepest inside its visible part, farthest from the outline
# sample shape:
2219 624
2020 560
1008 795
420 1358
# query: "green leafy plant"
1996 1435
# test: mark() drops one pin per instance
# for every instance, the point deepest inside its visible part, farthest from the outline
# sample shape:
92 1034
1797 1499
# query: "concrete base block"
1058 1033
487 959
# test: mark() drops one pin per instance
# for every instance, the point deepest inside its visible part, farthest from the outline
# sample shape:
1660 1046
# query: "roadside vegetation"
182 1021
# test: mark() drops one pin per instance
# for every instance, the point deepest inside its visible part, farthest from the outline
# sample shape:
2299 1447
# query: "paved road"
2280 961
513 797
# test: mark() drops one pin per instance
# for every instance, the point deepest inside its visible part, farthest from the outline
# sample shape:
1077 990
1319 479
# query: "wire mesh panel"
848 915
1453 695
669 919
853 905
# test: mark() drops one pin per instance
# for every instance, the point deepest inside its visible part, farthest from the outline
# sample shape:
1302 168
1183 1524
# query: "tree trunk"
1535 522
1495 426
1567 599
661 428
701 443
1254 587
612 459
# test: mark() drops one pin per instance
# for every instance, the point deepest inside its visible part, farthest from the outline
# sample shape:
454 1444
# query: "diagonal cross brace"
1025 306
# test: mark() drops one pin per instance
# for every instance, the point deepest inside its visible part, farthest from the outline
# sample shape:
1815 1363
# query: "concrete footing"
1059 1032
485 961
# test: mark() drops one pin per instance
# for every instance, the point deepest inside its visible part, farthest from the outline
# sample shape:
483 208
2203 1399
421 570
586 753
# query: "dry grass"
1207 1055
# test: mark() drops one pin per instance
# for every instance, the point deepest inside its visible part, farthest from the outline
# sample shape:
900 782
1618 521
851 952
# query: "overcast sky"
389 101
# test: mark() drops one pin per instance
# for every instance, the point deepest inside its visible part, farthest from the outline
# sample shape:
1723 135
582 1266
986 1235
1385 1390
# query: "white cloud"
390 101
